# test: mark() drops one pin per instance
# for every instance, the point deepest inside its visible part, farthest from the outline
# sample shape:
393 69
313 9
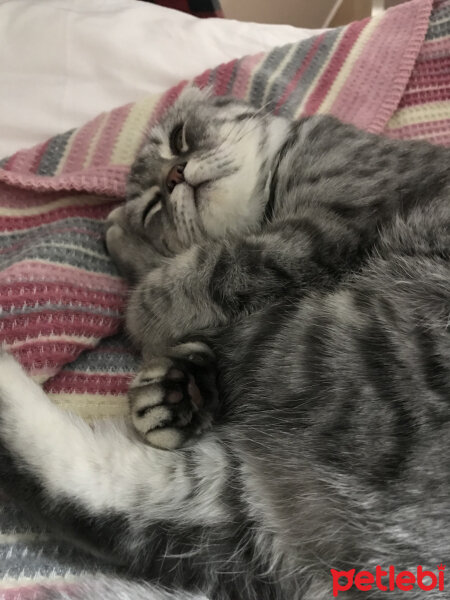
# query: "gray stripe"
320 57
52 155
265 70
439 14
50 241
94 228
56 237
110 356
439 24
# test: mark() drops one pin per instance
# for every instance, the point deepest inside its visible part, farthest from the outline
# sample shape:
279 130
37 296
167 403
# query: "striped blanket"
61 297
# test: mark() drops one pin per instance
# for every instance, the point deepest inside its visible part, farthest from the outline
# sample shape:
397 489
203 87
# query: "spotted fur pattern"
292 303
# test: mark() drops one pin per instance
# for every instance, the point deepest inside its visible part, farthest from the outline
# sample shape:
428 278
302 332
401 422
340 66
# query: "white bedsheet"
64 61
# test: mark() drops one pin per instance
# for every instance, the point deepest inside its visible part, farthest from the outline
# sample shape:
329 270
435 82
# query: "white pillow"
64 61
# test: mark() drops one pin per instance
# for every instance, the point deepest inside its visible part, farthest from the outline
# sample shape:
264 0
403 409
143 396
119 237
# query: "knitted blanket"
61 297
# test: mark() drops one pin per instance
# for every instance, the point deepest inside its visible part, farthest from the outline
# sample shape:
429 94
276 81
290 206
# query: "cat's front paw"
172 400
127 236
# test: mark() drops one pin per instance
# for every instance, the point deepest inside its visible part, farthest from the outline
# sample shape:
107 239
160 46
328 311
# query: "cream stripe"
425 88
41 209
94 140
312 86
130 136
415 115
92 407
348 65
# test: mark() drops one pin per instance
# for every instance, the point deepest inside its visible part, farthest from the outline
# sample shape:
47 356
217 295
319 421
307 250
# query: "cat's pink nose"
175 176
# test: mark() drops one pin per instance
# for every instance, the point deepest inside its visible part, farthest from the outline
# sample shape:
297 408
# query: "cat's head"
210 158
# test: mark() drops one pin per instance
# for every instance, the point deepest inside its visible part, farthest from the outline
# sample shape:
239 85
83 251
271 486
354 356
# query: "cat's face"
210 159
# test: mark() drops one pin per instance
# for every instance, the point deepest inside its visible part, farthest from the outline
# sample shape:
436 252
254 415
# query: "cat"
291 300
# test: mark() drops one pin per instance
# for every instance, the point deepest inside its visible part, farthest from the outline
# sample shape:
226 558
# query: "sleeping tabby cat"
291 300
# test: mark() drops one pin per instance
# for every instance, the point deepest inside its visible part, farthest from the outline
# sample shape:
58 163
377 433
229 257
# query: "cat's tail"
112 588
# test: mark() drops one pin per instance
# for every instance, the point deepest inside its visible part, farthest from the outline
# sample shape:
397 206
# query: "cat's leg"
174 397
151 510
126 236
209 285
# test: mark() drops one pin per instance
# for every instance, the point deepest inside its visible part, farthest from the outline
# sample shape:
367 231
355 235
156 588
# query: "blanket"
62 299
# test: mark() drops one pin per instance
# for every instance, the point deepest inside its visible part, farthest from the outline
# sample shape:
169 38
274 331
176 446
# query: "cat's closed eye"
176 139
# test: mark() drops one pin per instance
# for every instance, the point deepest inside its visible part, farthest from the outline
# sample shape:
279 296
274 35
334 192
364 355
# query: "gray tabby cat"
291 300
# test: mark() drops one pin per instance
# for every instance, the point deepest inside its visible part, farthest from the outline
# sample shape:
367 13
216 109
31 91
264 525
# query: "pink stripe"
368 106
50 272
98 211
223 76
441 138
50 322
23 160
434 49
304 65
37 293
80 145
422 96
107 180
109 135
9 165
247 68
49 357
202 80
11 197
17 328
431 130
434 69
38 156
334 65
166 101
